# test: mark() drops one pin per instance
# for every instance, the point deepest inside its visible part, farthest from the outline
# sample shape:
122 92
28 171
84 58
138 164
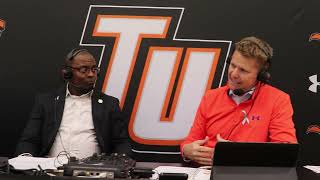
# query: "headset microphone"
238 92
81 89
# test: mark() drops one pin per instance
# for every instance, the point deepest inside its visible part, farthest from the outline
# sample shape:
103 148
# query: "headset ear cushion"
67 74
264 76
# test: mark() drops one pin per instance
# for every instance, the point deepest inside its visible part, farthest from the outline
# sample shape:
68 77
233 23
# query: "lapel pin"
100 101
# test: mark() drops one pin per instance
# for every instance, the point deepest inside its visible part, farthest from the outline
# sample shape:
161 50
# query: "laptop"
243 160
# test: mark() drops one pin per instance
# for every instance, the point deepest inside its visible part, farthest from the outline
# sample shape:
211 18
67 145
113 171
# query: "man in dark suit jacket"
56 126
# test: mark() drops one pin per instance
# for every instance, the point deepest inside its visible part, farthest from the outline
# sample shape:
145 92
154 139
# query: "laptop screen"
255 154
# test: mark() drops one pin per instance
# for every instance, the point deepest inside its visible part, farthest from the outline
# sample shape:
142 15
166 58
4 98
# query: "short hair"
254 47
73 53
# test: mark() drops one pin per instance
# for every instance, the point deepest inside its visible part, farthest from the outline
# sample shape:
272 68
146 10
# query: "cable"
157 174
56 160
247 114
64 149
59 134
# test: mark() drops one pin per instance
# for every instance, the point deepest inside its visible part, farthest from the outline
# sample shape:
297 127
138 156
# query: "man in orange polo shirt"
247 109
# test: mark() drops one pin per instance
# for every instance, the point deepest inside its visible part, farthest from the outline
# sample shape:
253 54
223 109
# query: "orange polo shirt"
268 117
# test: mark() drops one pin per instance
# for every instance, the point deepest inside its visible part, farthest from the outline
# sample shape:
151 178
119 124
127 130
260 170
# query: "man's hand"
199 153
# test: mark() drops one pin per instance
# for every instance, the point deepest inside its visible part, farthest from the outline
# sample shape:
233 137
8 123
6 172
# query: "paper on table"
313 168
193 173
25 162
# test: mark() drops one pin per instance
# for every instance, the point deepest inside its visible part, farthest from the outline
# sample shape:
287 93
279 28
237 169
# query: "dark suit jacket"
42 127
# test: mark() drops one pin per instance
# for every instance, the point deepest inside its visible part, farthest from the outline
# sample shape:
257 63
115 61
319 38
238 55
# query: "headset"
264 75
66 70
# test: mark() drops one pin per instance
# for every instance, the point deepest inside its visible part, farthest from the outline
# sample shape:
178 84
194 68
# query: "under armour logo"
255 118
314 86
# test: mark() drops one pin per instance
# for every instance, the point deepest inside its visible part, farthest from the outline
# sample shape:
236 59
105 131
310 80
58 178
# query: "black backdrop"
39 33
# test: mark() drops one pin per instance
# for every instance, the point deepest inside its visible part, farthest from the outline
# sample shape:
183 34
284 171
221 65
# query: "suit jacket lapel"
61 97
97 109
58 106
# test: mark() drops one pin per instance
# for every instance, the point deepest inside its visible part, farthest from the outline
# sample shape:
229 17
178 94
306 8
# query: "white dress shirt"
76 134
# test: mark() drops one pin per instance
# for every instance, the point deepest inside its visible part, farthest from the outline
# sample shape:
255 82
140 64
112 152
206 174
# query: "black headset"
264 75
66 70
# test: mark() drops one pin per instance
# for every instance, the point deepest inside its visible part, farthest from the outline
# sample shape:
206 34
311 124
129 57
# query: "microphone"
238 92
81 89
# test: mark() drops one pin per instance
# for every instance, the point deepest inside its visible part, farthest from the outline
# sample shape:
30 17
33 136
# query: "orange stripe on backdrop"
140 90
183 70
117 36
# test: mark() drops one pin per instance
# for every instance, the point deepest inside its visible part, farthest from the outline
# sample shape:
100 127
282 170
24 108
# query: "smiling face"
242 72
